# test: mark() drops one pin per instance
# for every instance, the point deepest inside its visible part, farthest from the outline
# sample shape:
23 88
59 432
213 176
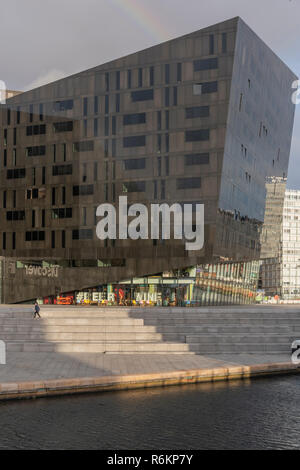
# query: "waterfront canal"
258 414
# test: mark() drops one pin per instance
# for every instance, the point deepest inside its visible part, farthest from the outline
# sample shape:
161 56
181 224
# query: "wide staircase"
81 329
120 330
230 329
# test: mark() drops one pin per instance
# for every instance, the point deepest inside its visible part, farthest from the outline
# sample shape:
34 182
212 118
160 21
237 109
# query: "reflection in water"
262 414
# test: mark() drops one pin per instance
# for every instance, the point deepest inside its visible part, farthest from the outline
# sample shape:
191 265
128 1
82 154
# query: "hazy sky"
43 40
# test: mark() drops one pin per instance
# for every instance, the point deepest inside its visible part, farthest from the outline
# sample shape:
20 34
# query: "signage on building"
45 271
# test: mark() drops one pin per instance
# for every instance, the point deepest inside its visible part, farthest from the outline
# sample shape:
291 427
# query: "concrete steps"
115 330
111 347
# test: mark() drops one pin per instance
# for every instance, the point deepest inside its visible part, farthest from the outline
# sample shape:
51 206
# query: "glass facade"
120 129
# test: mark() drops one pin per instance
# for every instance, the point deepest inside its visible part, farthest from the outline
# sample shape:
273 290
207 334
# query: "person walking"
36 310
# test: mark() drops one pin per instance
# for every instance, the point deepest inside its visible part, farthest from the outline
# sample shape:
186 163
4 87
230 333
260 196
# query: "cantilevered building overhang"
203 118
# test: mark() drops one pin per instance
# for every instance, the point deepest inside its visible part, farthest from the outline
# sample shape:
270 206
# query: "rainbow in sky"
142 15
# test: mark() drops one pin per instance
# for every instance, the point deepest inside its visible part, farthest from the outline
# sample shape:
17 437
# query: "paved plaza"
28 366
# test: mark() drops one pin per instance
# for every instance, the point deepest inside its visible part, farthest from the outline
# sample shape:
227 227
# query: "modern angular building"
204 118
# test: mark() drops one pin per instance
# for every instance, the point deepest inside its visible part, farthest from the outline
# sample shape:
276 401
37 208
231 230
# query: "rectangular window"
63 239
41 111
38 129
36 151
117 102
118 80
95 127
53 196
205 64
43 217
15 215
134 141
14 157
82 234
84 146
128 78
5 157
64 105
64 148
167 115
52 239
167 97
134 187
15 136
4 240
203 88
179 72
33 218
188 183
14 198
62 213
175 96
197 135
140 77
14 240
35 236
224 43
96 104
159 143
107 81
54 153
4 199
18 115
151 76
85 106
167 141
31 113
113 125
16 173
63 126
83 190
134 164
63 195
167 74
196 159
142 95
131 119
197 112
43 175
155 189
62 170
106 104
113 147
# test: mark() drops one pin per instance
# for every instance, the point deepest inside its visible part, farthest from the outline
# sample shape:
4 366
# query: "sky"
44 40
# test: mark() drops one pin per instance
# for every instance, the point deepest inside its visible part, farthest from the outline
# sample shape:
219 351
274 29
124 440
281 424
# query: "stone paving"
28 366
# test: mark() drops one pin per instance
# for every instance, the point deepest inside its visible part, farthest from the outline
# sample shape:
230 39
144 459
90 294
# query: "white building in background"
290 257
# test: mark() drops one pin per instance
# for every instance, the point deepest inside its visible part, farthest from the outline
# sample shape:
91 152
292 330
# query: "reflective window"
196 112
134 141
197 135
142 95
138 118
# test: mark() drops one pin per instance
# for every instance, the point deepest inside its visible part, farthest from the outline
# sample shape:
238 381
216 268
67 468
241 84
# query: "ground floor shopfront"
209 284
